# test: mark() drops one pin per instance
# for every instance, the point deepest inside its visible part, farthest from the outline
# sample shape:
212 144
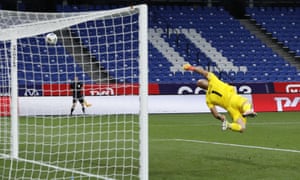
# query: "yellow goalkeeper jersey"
218 92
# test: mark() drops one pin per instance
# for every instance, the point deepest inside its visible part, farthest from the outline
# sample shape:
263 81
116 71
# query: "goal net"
45 132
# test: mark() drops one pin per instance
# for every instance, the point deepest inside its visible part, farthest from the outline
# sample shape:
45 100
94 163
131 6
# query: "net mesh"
99 142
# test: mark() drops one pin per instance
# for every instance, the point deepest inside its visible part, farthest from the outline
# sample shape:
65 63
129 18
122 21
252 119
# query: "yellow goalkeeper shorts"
235 108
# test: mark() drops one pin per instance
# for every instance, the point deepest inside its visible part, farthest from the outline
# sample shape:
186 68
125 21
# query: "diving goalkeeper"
219 93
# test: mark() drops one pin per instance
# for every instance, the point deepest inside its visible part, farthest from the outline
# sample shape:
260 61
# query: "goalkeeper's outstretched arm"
199 70
216 114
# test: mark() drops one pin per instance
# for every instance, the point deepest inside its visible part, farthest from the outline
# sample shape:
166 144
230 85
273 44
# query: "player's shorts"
235 107
80 99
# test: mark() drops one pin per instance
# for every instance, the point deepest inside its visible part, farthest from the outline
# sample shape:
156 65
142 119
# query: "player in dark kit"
77 93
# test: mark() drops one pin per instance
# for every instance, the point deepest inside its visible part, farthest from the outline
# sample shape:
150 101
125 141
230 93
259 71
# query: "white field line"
273 123
233 145
249 123
56 167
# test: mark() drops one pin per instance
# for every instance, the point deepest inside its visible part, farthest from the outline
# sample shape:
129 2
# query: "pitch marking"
248 124
233 145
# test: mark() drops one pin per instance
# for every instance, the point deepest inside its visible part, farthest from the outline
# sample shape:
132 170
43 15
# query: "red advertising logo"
287 87
293 88
285 103
276 102
98 89
111 89
4 106
56 90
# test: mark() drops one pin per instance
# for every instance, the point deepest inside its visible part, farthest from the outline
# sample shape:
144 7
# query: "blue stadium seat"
214 24
281 22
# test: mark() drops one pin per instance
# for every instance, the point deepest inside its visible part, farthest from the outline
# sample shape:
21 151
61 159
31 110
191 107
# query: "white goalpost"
40 136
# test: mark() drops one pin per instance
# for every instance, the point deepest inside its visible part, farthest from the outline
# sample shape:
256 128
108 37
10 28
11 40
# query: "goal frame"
31 29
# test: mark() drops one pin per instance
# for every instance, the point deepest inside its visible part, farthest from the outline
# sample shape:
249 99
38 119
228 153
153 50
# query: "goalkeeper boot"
250 114
71 113
225 125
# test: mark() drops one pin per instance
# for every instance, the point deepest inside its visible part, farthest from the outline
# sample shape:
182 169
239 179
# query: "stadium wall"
163 98
60 105
127 89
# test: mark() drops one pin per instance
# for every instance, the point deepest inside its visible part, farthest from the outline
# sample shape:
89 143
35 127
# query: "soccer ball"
51 38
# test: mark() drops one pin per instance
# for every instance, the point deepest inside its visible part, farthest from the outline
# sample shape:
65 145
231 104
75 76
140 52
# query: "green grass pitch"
193 147
181 147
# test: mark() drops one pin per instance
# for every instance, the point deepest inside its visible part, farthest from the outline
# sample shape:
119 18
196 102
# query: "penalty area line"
229 144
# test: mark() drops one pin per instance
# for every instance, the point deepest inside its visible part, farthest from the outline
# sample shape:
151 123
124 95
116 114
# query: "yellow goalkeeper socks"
235 127
247 107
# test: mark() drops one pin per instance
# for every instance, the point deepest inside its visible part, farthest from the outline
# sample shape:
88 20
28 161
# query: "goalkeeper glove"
87 104
188 67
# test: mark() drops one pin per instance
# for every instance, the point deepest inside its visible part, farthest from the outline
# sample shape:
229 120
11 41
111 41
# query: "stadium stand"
39 70
233 43
206 36
281 22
